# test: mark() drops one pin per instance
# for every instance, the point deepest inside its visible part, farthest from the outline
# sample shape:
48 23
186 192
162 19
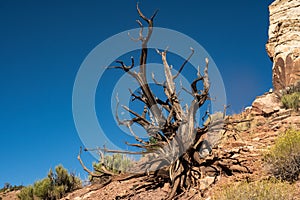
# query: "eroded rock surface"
266 104
283 46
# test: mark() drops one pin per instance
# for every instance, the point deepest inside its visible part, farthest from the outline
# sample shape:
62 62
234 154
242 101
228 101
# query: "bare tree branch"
116 151
182 66
139 119
141 97
89 171
173 155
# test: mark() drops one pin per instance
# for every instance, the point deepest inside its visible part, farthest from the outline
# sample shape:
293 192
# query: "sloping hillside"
241 150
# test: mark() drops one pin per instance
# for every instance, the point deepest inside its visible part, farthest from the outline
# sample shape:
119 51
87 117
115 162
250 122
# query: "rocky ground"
246 146
9 195
241 149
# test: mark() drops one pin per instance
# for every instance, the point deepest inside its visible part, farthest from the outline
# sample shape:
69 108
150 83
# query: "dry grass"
259 190
283 159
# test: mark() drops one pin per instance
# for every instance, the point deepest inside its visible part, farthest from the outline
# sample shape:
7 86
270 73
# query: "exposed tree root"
182 155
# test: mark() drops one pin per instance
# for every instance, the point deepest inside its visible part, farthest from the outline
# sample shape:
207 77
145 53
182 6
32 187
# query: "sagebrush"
283 159
116 163
53 187
291 101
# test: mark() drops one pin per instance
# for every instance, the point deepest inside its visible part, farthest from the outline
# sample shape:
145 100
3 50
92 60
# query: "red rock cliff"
283 46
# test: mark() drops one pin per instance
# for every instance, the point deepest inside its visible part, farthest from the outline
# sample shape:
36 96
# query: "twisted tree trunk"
175 157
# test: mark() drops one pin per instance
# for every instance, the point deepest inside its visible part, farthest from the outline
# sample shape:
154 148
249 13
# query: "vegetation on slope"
53 187
291 101
259 190
8 188
283 159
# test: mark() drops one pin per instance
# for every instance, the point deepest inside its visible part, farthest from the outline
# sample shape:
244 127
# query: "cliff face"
283 46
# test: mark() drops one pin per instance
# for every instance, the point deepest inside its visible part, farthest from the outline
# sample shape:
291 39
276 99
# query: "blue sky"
43 43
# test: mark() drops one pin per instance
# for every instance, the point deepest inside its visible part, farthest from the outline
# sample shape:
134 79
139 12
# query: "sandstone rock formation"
266 104
283 46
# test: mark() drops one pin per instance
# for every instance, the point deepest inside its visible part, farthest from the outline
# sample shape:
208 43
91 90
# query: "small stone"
206 182
238 168
166 187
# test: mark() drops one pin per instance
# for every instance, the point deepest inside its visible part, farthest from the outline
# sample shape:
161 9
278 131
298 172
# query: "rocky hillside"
241 150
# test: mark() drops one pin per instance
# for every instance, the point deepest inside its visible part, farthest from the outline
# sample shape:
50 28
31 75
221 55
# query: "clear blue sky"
43 43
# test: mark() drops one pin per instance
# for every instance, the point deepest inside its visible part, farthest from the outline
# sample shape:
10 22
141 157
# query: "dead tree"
175 156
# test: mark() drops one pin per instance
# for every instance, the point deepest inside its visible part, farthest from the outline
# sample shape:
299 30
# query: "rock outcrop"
266 104
283 46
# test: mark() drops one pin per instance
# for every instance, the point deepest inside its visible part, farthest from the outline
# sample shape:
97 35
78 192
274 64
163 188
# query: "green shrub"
291 101
283 159
63 178
58 191
53 187
152 140
260 190
26 193
43 188
116 163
